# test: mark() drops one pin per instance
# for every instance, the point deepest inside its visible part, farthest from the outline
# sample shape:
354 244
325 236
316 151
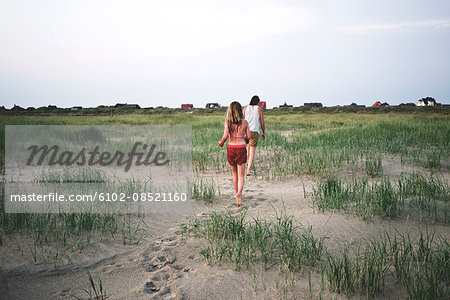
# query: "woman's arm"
243 112
261 119
247 132
225 135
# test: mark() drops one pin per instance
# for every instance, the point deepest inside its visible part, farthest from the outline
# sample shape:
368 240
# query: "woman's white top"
252 117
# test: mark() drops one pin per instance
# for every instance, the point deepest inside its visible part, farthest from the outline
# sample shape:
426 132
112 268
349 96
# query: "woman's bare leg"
241 181
235 178
251 156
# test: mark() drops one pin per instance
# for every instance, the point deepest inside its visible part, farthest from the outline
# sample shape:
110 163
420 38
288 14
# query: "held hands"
220 143
263 136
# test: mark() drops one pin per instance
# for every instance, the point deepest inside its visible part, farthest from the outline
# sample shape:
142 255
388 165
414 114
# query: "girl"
237 129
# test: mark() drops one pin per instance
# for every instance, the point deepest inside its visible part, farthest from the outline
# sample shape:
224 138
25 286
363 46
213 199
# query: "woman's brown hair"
234 116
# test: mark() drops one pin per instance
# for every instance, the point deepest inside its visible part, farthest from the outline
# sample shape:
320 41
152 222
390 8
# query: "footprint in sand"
159 261
181 268
150 287
161 276
170 243
167 259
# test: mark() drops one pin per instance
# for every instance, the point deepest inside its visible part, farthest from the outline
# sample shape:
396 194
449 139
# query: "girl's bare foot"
238 200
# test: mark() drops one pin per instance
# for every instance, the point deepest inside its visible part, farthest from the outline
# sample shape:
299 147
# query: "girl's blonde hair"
234 116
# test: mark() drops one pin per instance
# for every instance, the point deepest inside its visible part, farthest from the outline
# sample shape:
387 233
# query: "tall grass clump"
270 242
204 189
364 271
359 196
421 266
433 159
332 194
96 290
374 166
428 195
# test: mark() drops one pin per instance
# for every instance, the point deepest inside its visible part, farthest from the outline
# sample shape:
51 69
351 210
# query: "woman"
253 114
237 129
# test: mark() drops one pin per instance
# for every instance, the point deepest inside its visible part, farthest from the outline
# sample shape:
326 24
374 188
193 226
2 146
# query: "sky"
165 53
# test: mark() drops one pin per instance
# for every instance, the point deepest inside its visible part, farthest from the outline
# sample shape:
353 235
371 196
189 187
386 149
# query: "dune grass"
270 242
96 289
426 195
205 189
418 265
299 143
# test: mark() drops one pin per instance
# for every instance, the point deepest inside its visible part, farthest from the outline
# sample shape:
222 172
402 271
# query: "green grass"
426 195
52 237
374 166
360 197
96 290
270 242
298 143
204 189
421 266
418 265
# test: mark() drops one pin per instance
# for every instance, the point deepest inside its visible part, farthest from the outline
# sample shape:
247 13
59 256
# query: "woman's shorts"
253 141
236 154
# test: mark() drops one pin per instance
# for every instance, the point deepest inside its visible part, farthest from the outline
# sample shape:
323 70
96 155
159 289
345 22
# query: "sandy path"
167 264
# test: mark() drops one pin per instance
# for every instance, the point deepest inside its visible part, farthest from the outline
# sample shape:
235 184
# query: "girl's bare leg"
251 156
241 181
235 178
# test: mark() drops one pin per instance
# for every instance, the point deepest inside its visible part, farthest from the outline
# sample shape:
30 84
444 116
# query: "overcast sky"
166 53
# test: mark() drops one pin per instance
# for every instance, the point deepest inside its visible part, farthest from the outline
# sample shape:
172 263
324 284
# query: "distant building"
17 107
313 104
285 105
184 106
262 104
126 105
378 103
212 105
76 108
428 101
354 104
